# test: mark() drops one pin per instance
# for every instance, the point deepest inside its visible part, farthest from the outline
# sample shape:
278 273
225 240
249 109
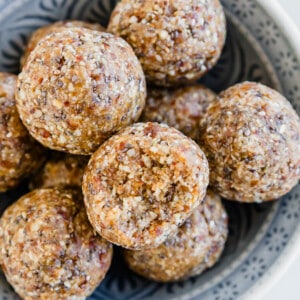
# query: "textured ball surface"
42 32
176 41
143 183
60 170
48 250
251 137
182 108
20 155
196 246
79 87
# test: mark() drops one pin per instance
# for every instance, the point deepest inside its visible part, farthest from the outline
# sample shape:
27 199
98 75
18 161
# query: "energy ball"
182 108
78 88
143 183
61 170
55 27
197 246
20 155
251 139
48 250
176 41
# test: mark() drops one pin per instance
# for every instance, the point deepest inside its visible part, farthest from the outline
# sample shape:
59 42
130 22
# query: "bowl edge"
292 250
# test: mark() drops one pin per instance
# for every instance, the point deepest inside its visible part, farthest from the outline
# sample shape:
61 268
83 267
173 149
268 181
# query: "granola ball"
55 27
181 108
48 250
176 41
252 141
198 244
61 169
20 155
79 87
143 183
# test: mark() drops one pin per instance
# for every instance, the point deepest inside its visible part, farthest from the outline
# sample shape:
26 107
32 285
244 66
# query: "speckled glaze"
261 236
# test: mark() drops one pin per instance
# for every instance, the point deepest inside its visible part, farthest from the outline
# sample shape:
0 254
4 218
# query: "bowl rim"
292 250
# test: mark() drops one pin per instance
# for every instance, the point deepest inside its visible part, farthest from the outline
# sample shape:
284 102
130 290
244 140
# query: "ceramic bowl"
261 46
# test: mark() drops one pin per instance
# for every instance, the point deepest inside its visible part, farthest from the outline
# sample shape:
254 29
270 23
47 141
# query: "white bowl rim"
292 249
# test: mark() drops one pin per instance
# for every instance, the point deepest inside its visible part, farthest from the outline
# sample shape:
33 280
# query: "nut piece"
79 87
143 183
182 108
251 139
197 246
176 41
48 249
55 27
20 155
60 170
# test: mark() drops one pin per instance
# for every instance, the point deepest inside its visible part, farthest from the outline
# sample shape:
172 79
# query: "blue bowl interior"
258 232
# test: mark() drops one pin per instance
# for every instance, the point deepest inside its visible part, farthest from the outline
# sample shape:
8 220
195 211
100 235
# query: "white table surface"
288 287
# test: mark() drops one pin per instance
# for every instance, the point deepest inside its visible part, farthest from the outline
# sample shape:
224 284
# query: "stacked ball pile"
141 186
